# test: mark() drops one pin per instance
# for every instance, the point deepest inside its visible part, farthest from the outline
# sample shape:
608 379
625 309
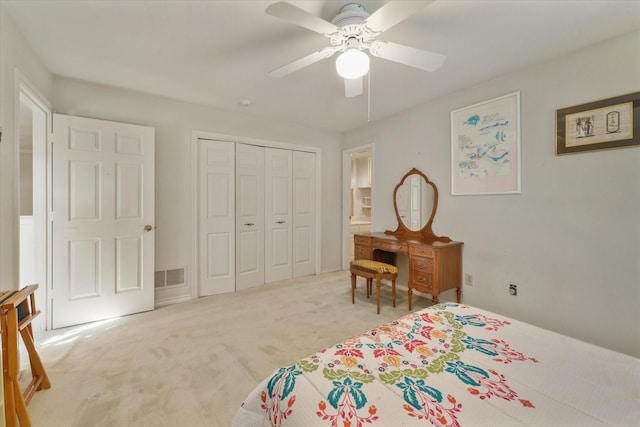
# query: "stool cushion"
377 266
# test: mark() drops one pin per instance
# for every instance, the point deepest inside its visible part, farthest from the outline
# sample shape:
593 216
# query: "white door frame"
25 90
346 195
198 134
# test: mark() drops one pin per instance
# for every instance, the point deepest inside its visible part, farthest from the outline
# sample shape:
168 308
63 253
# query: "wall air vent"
168 278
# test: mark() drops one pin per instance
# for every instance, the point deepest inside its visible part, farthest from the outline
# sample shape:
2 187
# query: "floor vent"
167 278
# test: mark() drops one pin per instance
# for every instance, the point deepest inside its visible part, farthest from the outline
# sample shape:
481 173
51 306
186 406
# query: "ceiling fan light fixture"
352 64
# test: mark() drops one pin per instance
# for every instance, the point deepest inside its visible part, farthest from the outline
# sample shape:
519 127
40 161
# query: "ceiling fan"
352 32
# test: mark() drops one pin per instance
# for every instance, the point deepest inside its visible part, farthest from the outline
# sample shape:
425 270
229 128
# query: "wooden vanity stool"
371 270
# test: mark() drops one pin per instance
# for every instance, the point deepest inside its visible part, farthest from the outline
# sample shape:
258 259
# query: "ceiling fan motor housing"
351 13
351 34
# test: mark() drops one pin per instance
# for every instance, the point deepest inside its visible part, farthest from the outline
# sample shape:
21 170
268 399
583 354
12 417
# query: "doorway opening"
357 197
33 130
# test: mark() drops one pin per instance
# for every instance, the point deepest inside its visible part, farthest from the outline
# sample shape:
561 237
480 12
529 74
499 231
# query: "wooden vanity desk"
435 262
434 266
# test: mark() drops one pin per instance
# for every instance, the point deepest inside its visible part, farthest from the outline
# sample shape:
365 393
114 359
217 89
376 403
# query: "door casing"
26 92
346 198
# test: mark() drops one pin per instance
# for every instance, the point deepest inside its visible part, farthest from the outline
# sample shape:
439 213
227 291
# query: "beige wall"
571 240
174 121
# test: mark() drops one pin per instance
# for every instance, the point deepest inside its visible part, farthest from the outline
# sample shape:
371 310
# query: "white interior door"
304 213
103 204
278 218
249 216
403 201
216 217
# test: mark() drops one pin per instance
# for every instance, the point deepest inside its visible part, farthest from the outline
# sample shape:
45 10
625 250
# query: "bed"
451 365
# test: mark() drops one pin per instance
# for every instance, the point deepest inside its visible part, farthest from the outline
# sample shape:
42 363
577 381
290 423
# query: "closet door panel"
216 217
278 214
249 216
304 213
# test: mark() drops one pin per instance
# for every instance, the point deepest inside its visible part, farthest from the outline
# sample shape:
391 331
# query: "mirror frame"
425 232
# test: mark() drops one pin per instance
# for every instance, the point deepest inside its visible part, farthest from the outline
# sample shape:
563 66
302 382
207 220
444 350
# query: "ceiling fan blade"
295 15
417 58
392 13
303 62
353 87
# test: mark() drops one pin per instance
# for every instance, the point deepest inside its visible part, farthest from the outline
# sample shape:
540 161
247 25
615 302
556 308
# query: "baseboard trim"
170 301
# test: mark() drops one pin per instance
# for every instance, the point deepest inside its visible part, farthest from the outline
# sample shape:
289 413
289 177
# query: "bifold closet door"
278 218
249 216
257 215
304 213
216 217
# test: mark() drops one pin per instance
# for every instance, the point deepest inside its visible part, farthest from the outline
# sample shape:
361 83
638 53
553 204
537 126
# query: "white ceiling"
218 53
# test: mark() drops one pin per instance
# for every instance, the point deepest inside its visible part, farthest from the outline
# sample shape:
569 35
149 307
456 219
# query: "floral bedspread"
451 365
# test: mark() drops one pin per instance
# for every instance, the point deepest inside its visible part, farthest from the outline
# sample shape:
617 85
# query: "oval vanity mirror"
415 200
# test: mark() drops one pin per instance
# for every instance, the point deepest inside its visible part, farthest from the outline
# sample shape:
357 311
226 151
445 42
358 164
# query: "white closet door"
216 217
249 216
304 213
103 200
278 218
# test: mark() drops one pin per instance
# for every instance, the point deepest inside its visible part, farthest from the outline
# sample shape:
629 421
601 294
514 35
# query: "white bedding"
451 365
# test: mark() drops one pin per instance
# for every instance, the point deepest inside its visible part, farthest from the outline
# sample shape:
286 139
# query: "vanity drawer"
362 252
422 282
364 241
390 245
421 273
424 251
362 247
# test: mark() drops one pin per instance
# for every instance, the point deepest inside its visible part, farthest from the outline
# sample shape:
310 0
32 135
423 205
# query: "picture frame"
485 147
599 125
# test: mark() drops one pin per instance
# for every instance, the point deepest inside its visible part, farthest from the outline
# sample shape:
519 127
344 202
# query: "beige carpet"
192 364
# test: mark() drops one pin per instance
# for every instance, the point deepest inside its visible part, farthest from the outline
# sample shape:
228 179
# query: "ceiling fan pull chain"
369 96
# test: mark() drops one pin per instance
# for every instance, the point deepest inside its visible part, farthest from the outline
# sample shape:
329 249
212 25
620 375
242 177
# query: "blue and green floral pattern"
409 357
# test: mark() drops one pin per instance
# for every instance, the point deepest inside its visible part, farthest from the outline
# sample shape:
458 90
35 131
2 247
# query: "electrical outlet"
513 289
468 279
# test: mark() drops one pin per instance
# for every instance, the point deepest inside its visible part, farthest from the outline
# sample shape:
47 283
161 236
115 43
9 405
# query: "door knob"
148 227
280 222
249 224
